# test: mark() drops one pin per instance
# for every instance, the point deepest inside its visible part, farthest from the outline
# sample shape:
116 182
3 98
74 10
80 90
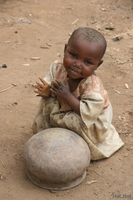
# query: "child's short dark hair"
91 35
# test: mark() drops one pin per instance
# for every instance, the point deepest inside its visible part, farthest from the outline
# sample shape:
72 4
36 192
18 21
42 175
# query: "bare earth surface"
39 29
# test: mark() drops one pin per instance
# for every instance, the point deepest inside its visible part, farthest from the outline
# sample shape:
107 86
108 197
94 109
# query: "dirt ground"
39 29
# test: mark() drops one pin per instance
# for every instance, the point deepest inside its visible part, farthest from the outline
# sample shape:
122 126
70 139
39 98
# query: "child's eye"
73 55
88 63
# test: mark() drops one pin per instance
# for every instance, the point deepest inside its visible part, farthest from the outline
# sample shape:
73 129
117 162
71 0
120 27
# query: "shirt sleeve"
49 77
91 106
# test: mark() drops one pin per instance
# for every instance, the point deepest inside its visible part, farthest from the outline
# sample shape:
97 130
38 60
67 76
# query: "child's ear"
101 61
65 47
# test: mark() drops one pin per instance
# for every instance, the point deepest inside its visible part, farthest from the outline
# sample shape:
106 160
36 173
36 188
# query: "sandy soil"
37 28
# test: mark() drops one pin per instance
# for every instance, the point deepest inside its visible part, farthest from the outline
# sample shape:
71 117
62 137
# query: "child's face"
81 58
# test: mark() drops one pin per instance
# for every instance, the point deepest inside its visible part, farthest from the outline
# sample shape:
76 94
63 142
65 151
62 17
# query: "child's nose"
78 64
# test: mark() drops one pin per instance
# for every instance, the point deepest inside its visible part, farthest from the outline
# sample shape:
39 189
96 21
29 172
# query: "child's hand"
63 91
43 88
60 90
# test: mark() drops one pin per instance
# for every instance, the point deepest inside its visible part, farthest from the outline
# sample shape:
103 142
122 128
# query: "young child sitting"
73 96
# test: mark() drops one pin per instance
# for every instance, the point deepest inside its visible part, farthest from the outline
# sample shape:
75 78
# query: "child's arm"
43 88
63 91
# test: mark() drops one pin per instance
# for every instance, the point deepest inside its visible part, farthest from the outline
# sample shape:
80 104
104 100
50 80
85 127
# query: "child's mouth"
74 70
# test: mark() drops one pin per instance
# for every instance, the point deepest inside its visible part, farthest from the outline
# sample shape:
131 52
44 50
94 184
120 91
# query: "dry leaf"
90 182
126 85
35 58
26 65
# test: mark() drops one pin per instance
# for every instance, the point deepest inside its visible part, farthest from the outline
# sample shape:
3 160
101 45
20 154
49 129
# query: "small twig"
6 89
96 173
2 163
75 21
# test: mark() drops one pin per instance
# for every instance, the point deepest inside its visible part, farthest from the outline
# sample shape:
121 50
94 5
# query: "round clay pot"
56 159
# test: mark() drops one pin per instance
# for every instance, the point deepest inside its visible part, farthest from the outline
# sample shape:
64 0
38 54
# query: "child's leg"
42 119
99 150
